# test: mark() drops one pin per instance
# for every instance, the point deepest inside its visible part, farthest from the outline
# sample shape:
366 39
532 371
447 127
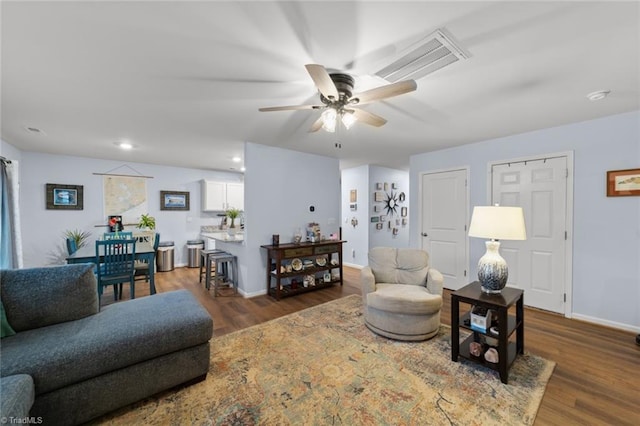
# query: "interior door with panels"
444 224
536 265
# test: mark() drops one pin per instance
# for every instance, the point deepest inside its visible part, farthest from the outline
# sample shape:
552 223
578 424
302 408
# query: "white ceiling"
183 81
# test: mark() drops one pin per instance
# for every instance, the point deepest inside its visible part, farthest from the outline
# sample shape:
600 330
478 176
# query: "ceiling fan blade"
384 92
317 125
290 108
323 81
368 117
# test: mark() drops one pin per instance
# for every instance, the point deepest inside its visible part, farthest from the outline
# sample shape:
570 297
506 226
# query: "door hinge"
465 273
565 297
566 173
465 227
565 235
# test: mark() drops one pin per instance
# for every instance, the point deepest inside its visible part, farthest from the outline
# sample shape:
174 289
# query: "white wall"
365 236
42 229
606 234
280 186
384 237
357 238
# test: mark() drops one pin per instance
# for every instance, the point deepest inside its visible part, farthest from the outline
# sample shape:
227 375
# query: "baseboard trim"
606 323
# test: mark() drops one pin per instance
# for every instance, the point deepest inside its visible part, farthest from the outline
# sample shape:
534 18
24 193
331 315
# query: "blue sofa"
74 361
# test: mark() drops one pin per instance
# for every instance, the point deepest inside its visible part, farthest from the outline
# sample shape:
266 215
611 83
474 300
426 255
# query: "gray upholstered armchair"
402 295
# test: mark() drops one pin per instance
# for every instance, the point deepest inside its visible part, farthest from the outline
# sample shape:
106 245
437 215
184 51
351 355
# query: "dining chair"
126 235
115 260
142 266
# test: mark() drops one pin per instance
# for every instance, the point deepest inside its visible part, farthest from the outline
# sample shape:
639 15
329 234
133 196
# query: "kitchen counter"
224 236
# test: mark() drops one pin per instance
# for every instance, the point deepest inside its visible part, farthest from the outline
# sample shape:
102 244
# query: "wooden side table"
500 303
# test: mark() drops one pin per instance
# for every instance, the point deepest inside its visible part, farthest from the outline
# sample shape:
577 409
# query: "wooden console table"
288 265
507 325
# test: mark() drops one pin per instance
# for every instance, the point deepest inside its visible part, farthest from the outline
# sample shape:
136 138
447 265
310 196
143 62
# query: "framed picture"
621 183
394 185
404 221
353 195
376 209
378 186
378 225
401 197
403 212
64 197
375 219
174 200
378 196
386 186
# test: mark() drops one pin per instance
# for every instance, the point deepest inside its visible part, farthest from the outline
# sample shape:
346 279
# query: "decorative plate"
296 264
321 261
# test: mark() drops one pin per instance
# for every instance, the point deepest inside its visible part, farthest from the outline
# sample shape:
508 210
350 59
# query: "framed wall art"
174 200
621 183
64 197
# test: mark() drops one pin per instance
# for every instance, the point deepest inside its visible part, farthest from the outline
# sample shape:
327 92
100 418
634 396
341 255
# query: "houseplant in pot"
147 222
232 213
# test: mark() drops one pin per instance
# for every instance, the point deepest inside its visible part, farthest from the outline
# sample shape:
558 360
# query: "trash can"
165 256
193 252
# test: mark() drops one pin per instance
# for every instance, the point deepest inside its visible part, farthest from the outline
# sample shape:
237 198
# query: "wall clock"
391 203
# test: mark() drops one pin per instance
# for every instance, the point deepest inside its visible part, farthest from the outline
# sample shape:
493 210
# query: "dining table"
144 252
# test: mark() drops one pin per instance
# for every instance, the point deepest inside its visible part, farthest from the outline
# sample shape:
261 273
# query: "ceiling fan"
338 100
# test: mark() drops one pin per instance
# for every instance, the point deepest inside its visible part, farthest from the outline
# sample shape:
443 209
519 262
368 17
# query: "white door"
444 219
536 265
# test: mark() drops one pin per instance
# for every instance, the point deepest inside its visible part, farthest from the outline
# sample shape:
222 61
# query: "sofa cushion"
5 327
404 299
399 266
17 397
120 335
38 297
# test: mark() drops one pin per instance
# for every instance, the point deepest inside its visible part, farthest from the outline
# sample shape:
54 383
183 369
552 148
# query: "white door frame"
568 285
421 175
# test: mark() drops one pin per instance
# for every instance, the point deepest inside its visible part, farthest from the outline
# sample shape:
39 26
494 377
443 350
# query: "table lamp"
496 223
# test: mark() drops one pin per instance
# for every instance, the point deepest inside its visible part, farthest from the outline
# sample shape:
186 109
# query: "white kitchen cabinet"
220 196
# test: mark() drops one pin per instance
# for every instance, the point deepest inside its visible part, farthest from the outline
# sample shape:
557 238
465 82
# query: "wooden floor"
596 380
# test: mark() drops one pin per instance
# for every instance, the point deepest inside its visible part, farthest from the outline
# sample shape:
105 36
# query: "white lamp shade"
498 223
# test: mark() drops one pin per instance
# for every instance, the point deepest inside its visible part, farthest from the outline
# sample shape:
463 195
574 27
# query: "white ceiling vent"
434 52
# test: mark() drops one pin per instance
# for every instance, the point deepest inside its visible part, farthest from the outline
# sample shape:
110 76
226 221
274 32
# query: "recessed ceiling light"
124 144
600 94
236 159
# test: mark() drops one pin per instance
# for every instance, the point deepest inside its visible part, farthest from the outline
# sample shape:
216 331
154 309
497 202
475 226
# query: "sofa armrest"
435 280
368 281
38 297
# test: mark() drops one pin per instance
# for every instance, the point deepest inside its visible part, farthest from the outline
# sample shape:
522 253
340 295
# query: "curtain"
10 239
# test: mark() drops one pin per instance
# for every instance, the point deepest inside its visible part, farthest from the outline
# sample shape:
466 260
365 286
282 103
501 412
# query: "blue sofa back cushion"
38 297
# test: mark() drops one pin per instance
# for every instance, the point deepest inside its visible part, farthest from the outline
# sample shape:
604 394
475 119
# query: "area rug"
322 366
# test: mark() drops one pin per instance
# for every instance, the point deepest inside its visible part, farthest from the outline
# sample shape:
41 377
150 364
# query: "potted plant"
232 213
147 222
79 237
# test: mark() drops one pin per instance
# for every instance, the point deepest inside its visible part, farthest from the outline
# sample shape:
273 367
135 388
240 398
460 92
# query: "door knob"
424 234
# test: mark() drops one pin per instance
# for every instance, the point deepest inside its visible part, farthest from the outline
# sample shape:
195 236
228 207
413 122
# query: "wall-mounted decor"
378 186
391 203
621 183
378 196
64 197
394 185
376 209
403 212
125 196
401 197
386 186
353 207
174 200
375 219
378 225
353 195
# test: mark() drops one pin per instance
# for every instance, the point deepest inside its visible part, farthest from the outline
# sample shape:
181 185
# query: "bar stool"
205 262
224 263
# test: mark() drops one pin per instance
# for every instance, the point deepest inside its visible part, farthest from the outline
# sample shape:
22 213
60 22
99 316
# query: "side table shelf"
291 281
507 349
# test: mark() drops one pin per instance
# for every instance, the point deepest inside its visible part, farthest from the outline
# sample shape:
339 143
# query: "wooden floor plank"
597 376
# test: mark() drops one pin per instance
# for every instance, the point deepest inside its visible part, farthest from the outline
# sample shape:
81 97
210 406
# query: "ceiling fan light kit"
339 101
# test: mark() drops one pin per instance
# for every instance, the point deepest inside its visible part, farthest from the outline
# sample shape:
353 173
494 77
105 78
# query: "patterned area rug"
322 366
